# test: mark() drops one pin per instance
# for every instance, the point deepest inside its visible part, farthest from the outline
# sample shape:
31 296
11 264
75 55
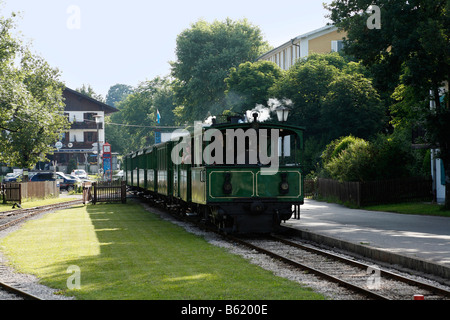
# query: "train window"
239 147
289 149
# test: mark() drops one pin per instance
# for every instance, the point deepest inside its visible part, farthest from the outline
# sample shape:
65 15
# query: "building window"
89 116
337 45
90 136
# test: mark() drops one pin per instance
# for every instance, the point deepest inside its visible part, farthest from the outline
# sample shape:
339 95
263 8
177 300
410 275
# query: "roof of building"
310 34
100 106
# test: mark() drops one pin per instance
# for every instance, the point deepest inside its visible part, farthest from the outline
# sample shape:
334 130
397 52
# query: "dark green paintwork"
248 182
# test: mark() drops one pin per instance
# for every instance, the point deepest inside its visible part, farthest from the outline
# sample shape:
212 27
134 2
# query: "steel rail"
361 265
27 213
317 272
20 293
49 207
324 275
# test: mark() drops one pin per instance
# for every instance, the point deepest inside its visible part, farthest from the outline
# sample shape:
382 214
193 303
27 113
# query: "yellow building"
324 40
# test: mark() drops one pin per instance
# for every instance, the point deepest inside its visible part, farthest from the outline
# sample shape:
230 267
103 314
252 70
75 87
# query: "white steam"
264 112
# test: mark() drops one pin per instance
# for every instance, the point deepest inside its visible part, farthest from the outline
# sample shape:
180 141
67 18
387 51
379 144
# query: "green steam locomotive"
242 176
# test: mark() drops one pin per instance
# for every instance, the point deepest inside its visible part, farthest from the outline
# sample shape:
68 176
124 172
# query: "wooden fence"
310 188
11 192
376 192
115 191
16 192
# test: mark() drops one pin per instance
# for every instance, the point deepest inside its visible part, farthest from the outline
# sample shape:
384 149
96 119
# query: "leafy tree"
248 85
306 84
31 103
87 90
116 136
408 56
352 106
137 113
205 54
331 98
117 93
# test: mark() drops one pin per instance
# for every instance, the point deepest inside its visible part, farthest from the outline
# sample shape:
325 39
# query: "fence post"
94 185
124 192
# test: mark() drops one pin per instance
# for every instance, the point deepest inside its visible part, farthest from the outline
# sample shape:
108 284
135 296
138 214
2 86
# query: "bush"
352 160
355 159
393 156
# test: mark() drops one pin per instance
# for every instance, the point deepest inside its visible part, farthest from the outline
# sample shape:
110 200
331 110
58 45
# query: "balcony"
77 146
85 125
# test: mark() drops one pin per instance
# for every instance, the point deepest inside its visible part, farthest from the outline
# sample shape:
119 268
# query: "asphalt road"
423 237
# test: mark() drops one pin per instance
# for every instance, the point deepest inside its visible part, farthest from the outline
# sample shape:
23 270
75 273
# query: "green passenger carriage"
238 197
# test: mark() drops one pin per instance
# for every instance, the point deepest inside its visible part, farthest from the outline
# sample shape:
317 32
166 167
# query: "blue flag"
158 116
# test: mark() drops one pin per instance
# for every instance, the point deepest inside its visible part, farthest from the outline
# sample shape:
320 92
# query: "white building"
79 144
324 40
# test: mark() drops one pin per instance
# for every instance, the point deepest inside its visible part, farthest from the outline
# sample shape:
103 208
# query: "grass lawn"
124 252
411 208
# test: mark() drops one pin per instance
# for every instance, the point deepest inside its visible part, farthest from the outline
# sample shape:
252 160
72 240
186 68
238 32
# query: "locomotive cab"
250 177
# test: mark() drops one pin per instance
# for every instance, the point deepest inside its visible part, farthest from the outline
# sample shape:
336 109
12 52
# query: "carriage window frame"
294 159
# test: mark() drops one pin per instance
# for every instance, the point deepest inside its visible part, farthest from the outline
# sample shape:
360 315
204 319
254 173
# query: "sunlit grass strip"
125 252
35 203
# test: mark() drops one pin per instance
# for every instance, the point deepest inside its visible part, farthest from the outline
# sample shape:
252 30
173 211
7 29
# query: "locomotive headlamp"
282 113
284 188
284 185
227 187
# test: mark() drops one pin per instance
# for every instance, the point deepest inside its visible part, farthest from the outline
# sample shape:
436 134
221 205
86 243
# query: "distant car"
80 173
74 177
118 175
65 183
12 177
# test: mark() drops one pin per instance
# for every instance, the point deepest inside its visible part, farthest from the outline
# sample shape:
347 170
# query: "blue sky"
130 41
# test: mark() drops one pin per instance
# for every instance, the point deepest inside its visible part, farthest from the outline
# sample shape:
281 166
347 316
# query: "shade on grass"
125 252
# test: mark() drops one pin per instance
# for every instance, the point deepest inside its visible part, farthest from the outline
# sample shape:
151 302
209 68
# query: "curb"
380 255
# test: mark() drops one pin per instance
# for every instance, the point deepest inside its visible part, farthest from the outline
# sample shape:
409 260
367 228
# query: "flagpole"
158 131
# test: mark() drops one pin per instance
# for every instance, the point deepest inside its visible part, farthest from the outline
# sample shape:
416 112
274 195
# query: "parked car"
65 183
80 173
74 177
12 177
118 175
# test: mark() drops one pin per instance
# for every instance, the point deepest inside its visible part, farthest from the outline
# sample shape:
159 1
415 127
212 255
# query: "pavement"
413 241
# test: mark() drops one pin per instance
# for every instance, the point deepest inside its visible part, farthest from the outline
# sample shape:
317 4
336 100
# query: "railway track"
10 218
13 217
365 279
8 292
